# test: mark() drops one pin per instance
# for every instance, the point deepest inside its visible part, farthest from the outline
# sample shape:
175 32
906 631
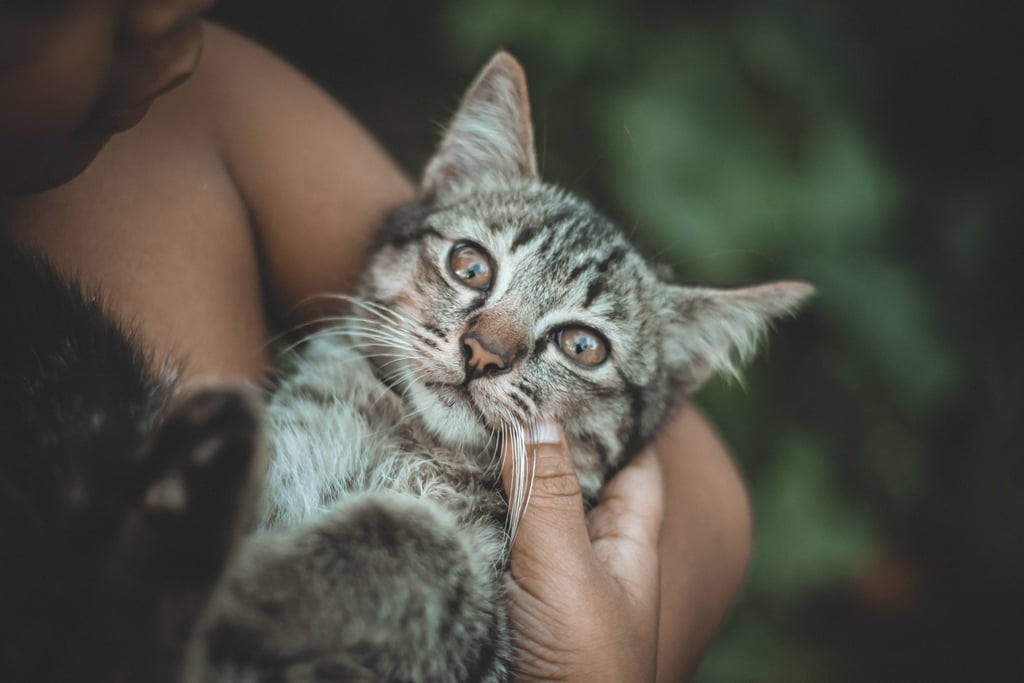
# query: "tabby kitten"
492 300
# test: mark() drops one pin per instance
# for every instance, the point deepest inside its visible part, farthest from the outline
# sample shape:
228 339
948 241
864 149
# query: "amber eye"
583 345
472 265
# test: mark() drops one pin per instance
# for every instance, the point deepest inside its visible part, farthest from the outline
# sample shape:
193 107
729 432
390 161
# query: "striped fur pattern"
386 534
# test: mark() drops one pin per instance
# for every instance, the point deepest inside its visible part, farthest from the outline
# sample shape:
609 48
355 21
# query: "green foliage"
743 143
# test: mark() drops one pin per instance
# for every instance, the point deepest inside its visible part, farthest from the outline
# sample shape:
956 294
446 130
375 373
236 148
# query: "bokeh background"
873 147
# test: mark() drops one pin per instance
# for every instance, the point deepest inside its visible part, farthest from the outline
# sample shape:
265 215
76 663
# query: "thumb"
626 525
552 530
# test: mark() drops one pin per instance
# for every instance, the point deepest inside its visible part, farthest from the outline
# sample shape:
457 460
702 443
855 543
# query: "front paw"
206 469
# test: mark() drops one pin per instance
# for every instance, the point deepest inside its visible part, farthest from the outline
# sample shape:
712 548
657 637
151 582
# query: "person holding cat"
228 201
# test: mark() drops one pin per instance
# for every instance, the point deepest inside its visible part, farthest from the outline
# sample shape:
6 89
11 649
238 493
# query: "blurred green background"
871 147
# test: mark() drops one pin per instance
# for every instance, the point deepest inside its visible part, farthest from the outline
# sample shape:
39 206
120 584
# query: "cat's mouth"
450 394
459 396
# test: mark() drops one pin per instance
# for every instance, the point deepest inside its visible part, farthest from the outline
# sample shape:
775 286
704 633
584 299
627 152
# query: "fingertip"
554 474
545 431
544 455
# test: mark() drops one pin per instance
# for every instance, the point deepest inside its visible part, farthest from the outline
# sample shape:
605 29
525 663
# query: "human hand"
584 590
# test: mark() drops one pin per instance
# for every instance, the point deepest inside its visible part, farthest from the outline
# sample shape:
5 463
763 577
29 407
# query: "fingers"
625 527
552 534
632 504
585 592
621 534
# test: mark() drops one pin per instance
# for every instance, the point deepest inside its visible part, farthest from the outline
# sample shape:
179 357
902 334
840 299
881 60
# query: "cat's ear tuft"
491 134
717 330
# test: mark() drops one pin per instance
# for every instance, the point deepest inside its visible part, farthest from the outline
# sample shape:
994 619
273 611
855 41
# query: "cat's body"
383 548
492 301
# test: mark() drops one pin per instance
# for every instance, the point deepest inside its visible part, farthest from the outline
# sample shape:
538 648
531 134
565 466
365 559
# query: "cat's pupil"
471 265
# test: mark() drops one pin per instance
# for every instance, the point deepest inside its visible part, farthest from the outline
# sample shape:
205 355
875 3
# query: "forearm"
706 541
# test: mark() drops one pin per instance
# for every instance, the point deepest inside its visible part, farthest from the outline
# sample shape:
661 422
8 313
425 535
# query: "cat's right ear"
717 330
491 134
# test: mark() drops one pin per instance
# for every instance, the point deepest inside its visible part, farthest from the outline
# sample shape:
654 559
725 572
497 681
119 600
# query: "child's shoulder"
246 185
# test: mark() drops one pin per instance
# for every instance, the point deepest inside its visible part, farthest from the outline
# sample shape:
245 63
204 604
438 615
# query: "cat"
120 503
490 301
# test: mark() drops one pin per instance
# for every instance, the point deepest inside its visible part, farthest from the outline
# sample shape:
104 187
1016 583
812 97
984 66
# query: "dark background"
871 147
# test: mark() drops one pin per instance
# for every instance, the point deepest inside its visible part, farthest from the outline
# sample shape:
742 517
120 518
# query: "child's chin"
49 167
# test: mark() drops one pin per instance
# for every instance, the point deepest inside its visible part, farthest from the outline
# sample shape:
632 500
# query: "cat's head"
511 299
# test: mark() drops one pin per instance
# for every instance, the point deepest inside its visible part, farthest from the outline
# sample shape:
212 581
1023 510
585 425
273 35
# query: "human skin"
247 191
74 72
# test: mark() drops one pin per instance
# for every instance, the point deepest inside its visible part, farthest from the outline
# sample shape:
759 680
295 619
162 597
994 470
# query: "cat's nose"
483 357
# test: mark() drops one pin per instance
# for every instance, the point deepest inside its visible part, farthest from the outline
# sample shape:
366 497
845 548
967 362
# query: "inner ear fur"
718 330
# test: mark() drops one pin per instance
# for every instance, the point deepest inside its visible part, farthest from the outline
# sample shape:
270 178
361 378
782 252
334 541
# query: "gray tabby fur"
385 534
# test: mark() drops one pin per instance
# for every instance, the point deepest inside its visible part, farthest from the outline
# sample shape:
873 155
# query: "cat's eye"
582 345
472 265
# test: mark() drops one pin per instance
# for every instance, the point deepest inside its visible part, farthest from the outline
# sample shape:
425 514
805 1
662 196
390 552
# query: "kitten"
492 300
118 512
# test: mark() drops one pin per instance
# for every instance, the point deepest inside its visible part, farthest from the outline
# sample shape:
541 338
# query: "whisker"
340 332
515 448
374 307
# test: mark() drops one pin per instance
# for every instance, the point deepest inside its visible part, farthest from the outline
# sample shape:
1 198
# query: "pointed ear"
717 330
491 133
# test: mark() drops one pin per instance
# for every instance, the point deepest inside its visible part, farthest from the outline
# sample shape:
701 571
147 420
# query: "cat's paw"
385 587
204 449
206 467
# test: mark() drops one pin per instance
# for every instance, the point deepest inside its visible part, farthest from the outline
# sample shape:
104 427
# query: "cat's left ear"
717 330
491 134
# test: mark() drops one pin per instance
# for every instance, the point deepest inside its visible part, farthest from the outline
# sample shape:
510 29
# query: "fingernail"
544 431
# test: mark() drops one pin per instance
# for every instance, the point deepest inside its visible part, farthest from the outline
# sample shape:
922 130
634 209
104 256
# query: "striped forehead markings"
578 270
599 282
525 235
613 258
548 228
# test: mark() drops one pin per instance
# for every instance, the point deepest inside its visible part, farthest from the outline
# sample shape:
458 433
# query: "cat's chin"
447 411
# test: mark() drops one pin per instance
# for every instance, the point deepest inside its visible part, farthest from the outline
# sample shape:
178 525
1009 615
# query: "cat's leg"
203 474
386 588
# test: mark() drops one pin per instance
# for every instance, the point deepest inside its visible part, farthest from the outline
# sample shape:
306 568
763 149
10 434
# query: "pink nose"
483 357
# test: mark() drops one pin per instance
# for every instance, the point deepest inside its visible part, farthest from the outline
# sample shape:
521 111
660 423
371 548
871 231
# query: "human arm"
247 191
706 540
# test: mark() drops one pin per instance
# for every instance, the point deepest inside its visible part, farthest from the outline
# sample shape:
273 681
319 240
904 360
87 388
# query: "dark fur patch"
614 258
434 330
107 581
579 270
524 236
595 289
